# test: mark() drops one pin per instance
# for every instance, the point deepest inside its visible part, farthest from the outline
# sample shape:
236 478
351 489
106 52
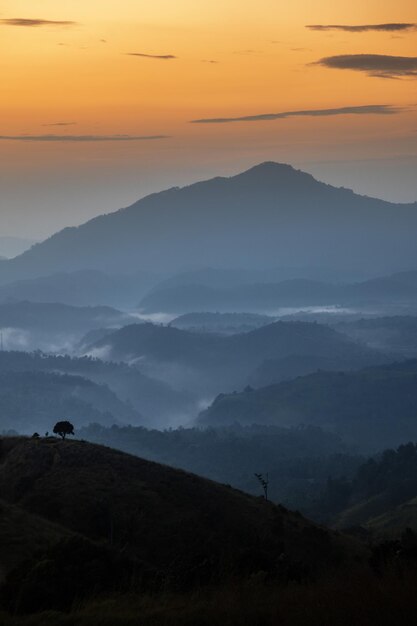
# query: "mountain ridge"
263 209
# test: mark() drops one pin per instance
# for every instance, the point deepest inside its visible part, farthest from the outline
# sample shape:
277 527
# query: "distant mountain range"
53 326
269 216
396 290
207 363
81 288
34 386
374 407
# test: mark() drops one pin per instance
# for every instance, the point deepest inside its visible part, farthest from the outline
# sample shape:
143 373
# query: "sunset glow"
87 69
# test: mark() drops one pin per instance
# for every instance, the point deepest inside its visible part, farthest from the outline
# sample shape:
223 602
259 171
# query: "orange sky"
83 75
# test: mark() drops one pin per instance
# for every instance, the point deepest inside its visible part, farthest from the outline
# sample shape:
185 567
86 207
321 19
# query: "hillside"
81 288
395 293
53 326
397 334
209 363
221 323
216 223
35 401
178 530
149 400
380 495
373 408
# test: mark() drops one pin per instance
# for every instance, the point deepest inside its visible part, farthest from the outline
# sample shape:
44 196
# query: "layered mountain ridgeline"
381 496
207 363
395 292
134 525
396 334
140 399
53 326
217 222
298 461
34 401
221 323
373 408
58 317
82 288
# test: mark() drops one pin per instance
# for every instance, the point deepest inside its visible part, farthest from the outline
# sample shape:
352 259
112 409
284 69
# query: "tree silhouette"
264 480
63 429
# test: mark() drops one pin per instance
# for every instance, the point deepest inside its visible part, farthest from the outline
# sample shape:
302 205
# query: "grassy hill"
168 527
113 540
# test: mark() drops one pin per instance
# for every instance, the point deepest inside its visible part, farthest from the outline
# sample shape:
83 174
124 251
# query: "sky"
103 102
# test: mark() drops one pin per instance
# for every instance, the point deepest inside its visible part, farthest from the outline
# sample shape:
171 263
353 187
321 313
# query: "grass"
360 599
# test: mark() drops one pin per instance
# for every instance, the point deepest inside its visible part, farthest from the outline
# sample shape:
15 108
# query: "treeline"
378 486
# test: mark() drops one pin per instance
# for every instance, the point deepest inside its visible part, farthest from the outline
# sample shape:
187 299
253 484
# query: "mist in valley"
296 384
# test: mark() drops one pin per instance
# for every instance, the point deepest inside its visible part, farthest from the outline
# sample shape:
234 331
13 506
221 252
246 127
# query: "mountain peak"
283 173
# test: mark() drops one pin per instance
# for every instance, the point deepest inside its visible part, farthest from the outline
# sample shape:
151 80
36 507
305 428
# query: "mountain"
258 297
394 292
371 408
147 526
12 246
140 398
52 326
397 334
58 317
256 217
35 401
206 363
221 323
81 288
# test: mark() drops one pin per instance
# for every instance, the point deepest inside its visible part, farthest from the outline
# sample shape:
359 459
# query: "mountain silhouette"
268 216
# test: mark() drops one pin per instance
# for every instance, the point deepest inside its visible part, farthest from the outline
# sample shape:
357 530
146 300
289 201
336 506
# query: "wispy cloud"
363 28
60 124
160 57
17 21
378 65
370 109
81 138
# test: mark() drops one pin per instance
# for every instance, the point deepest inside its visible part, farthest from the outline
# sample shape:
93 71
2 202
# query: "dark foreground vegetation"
93 536
361 599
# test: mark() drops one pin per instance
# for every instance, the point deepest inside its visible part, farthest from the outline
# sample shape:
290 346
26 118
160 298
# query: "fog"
190 309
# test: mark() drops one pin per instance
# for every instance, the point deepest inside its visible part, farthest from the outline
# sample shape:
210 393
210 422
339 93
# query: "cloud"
363 28
212 61
370 109
161 57
34 22
80 138
379 65
60 124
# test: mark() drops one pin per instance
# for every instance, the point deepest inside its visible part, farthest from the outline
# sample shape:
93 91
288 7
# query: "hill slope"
374 407
179 530
216 223
139 397
211 363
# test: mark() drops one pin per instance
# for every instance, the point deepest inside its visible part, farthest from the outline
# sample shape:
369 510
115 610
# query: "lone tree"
264 481
63 429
